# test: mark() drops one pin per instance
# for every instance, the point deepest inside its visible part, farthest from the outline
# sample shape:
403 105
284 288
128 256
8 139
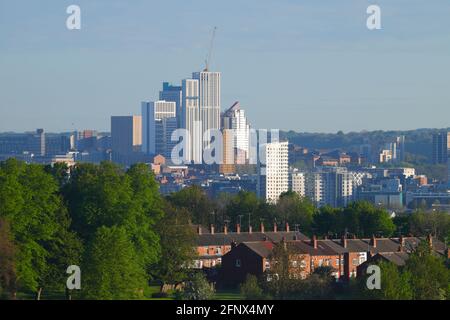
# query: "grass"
60 295
228 295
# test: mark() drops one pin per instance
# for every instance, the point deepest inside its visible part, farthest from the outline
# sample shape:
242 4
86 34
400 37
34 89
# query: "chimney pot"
275 227
199 229
401 240
374 242
287 227
344 241
238 228
314 240
250 229
262 227
212 229
225 229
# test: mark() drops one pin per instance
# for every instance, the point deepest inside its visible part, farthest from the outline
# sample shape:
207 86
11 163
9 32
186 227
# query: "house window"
320 262
362 257
267 265
238 263
303 264
355 262
218 250
294 263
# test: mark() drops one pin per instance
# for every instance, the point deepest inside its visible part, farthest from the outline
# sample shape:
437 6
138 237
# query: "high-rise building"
333 187
37 143
228 165
441 147
126 136
163 136
174 94
400 146
191 120
209 102
234 118
152 114
298 183
273 171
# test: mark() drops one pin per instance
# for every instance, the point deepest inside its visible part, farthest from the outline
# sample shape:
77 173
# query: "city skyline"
288 69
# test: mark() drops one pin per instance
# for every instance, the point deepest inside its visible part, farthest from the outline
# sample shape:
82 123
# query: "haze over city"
303 66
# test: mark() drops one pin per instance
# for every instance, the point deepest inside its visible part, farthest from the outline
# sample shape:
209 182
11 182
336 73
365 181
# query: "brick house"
212 245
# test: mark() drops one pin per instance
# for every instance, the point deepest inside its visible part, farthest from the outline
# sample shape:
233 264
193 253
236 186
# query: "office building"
234 118
153 114
209 103
126 136
441 147
173 94
191 121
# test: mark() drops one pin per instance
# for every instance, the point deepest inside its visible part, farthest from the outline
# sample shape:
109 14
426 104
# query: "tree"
360 218
280 276
177 239
104 195
7 261
29 199
195 200
422 223
60 171
430 277
326 221
250 289
296 210
111 269
395 284
198 288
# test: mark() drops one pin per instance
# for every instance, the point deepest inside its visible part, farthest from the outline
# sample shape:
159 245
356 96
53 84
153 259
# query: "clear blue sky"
305 65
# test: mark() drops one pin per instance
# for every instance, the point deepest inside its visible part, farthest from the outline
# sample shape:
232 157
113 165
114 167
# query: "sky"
303 65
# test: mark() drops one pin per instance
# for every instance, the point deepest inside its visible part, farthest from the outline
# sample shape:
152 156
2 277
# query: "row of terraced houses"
251 252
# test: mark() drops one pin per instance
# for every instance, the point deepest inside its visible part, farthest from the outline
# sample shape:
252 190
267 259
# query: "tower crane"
211 47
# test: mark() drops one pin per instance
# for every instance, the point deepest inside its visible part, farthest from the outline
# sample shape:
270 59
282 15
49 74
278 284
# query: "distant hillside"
418 142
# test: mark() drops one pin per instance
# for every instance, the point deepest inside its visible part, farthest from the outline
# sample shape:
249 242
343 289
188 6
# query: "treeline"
360 219
112 223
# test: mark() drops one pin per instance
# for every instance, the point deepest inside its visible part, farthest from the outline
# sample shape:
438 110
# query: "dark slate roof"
261 248
227 238
336 247
324 248
397 258
355 245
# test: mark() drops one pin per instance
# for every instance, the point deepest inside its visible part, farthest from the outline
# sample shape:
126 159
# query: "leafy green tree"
316 287
60 171
395 284
360 218
195 200
250 289
296 210
177 239
65 249
198 288
422 223
326 221
104 195
29 199
430 277
7 261
111 269
280 280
